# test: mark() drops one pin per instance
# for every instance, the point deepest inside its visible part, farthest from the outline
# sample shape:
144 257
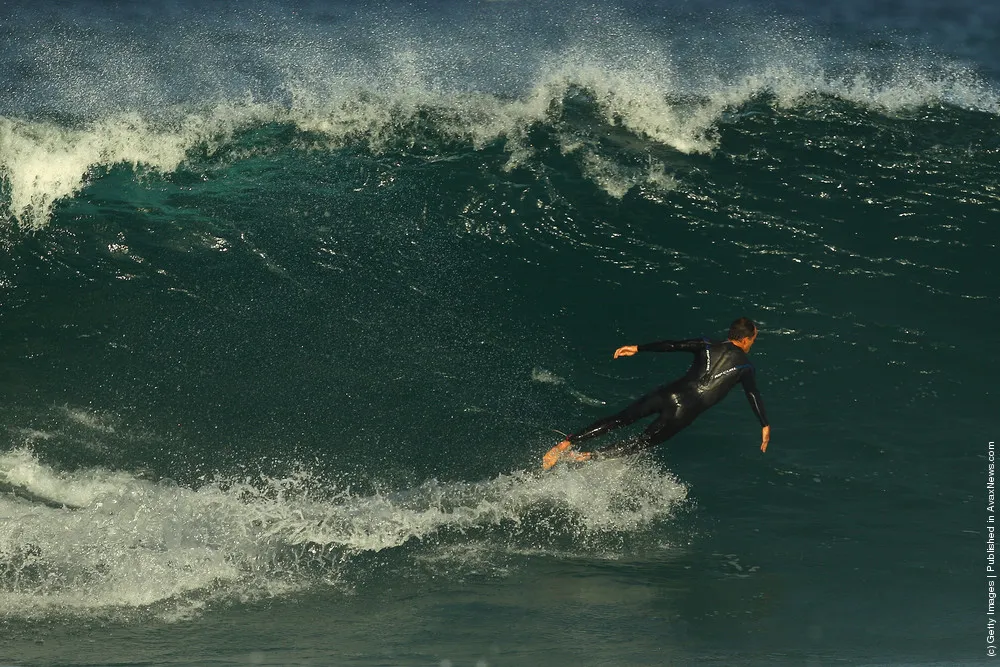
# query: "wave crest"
42 162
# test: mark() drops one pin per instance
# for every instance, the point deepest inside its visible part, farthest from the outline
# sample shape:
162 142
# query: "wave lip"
643 84
42 163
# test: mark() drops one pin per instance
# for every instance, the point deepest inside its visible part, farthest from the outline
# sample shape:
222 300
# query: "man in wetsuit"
717 368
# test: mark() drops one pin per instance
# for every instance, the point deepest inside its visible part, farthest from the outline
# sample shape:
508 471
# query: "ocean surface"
294 296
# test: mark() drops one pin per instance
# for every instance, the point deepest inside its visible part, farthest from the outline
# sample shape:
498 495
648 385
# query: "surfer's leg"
670 422
645 406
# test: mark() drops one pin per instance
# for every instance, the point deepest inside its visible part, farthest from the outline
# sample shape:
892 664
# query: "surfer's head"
742 333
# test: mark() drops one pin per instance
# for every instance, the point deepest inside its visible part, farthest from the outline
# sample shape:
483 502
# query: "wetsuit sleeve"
750 387
693 345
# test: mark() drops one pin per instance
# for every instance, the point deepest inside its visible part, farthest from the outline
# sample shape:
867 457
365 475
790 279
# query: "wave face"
296 297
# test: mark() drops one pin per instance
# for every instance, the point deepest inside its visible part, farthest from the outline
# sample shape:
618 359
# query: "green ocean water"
295 365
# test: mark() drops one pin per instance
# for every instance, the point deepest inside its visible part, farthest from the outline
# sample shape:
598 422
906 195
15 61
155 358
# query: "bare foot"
552 456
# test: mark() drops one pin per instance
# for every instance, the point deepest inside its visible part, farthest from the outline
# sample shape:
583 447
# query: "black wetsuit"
717 368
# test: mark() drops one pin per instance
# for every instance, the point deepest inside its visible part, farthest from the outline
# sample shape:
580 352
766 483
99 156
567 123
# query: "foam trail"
606 497
135 544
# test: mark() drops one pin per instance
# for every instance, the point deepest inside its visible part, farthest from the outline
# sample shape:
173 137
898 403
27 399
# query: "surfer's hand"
626 351
765 437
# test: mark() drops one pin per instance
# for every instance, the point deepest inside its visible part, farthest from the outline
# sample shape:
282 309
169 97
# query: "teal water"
294 355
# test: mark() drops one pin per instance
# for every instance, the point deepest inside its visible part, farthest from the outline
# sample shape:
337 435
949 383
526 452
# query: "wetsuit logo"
730 370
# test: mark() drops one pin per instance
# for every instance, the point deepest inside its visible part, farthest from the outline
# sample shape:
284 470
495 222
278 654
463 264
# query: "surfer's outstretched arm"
757 405
694 345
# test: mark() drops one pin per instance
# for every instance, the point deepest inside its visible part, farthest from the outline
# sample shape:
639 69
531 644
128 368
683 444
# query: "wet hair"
742 328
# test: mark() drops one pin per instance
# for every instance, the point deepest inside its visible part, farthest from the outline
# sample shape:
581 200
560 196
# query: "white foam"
42 163
136 544
635 81
132 545
539 374
543 376
21 468
602 497
89 419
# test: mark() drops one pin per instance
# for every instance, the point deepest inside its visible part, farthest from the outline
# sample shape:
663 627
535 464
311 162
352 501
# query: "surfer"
717 368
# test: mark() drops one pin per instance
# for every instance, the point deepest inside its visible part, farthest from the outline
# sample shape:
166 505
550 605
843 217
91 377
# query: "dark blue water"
295 296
